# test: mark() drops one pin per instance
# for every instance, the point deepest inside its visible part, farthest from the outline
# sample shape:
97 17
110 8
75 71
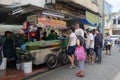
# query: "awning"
85 21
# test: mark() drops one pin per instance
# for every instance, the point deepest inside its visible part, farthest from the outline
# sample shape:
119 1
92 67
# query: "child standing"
80 54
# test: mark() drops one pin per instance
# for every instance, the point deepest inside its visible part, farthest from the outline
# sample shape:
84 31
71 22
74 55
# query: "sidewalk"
13 74
108 70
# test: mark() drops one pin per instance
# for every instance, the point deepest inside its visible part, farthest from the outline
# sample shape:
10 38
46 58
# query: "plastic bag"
80 54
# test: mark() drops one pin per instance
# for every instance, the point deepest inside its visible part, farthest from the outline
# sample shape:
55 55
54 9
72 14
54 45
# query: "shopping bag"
80 54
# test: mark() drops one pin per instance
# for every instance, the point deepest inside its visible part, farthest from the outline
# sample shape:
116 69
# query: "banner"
92 18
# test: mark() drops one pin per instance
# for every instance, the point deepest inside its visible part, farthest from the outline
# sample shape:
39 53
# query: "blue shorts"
71 50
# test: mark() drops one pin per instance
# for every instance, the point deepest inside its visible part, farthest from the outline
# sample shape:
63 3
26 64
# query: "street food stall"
46 51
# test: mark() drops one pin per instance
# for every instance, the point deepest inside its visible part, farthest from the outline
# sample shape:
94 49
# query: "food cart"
51 51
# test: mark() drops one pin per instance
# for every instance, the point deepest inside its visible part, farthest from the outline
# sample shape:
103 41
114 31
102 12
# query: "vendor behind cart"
45 36
38 33
52 35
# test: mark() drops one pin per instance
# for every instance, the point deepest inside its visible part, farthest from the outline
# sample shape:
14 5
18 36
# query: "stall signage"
52 22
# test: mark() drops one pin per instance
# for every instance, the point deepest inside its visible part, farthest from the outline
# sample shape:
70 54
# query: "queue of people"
80 39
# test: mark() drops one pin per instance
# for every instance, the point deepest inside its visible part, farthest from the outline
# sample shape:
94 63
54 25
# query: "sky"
115 4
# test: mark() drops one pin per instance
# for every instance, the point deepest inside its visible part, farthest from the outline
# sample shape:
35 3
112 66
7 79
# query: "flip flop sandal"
79 75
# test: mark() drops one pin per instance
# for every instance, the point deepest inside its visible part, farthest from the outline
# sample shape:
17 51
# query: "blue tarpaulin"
85 21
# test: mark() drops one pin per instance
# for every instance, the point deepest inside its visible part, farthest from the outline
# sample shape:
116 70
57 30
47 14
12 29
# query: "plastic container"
4 63
18 66
27 67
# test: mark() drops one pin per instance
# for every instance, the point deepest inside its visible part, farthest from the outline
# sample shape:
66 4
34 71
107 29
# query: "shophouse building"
90 11
116 23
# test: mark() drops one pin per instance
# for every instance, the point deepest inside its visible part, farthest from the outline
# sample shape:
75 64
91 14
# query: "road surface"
108 70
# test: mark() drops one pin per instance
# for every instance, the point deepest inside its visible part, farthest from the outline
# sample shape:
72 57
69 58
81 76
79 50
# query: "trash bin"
18 66
27 67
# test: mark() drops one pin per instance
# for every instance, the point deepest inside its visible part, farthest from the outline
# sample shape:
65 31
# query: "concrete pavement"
108 70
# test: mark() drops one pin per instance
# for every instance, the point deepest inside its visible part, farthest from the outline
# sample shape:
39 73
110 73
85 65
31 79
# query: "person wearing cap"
90 46
98 45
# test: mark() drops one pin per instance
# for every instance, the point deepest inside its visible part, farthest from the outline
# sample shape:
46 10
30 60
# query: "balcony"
89 4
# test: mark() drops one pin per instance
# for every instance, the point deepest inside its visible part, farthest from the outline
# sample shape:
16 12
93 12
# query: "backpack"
80 54
109 42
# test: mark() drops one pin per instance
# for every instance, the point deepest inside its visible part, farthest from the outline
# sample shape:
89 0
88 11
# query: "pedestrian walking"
109 43
116 43
71 47
119 43
98 45
80 54
90 46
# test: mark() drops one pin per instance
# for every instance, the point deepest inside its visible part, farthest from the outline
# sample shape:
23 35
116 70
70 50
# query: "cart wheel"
62 58
51 61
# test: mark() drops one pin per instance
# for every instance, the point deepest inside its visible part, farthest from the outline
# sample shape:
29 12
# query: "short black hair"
7 32
71 28
93 30
52 31
89 30
39 28
97 30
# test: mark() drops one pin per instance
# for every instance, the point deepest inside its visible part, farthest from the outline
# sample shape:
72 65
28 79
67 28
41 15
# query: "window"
50 1
114 21
118 21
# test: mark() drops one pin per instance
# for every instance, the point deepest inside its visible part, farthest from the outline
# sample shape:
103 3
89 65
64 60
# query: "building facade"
91 10
107 18
83 9
40 3
116 23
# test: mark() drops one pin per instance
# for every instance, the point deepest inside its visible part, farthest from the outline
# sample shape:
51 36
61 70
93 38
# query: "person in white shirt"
78 30
71 47
90 47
